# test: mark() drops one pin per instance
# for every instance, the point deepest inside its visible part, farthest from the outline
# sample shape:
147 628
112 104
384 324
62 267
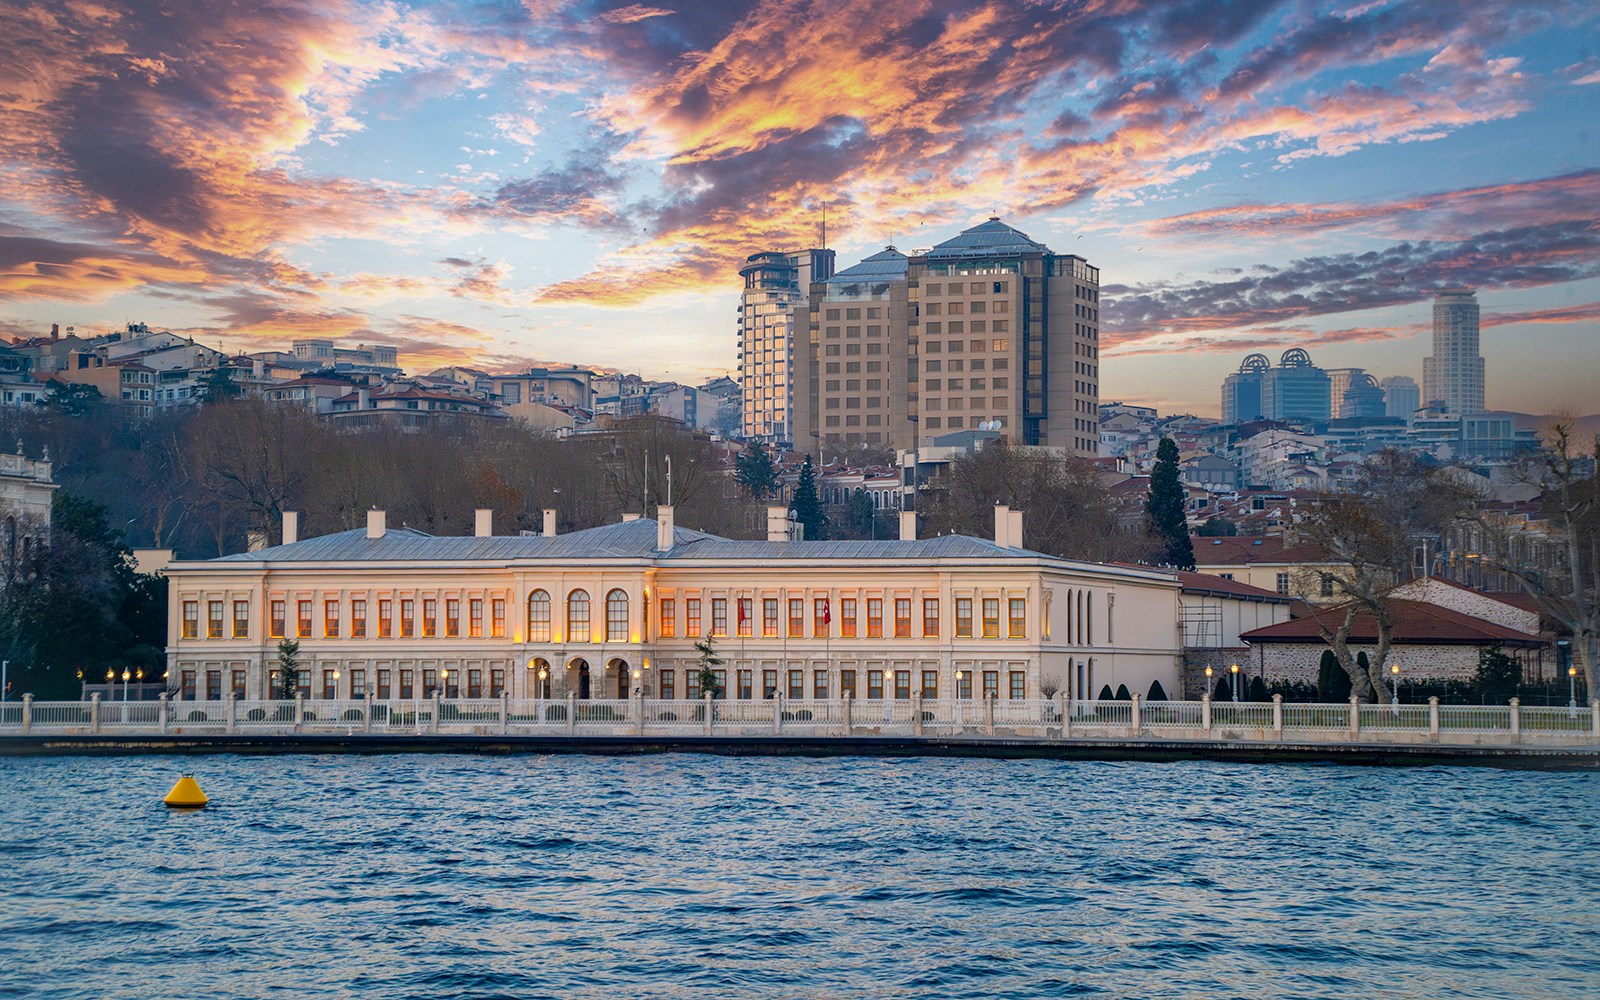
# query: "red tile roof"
1415 623
1243 550
1207 583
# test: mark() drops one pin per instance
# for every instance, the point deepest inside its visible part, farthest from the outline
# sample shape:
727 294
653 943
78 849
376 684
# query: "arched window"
617 616
578 616
539 616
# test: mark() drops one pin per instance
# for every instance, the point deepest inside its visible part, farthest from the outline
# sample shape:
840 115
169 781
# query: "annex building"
601 612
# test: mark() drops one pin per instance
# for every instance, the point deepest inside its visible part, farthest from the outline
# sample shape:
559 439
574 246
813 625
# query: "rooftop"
988 239
1415 623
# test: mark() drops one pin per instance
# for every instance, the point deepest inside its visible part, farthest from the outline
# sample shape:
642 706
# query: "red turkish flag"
744 615
827 612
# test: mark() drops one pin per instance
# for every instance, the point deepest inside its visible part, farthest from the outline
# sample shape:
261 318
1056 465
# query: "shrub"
197 716
352 715
255 715
1157 692
1496 677
1223 691
1333 684
1258 690
1123 694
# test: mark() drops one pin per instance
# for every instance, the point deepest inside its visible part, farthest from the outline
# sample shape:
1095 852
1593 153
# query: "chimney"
258 369
375 524
482 522
291 527
908 526
777 524
363 399
663 528
55 331
1014 530
629 517
1002 525
549 522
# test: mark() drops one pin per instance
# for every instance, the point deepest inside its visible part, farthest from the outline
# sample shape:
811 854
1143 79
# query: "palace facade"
617 610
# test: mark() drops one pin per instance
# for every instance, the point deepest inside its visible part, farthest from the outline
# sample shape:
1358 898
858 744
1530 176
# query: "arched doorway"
617 677
538 677
581 667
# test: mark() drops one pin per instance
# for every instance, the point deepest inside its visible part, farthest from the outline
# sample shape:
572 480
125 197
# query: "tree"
1223 691
1218 527
1333 682
754 471
1496 677
709 659
218 386
1164 508
1105 693
1397 502
288 667
1123 694
1258 690
1563 576
806 507
71 399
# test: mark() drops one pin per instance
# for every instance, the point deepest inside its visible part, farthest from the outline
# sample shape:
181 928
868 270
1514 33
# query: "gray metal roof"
941 547
624 540
886 263
988 239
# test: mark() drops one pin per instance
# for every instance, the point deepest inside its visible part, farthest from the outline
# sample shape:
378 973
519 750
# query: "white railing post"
94 712
438 705
638 711
366 725
1063 704
1433 718
1277 716
299 710
505 711
1355 716
777 715
988 713
1516 720
572 712
1594 717
27 713
916 714
849 716
163 712
1136 717
231 714
1205 712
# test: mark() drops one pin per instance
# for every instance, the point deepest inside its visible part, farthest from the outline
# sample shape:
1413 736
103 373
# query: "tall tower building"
1297 388
773 324
1401 397
1241 391
1363 398
1452 376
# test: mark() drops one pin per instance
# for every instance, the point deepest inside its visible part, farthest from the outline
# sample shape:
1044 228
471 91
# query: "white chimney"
483 522
549 522
629 517
777 524
664 528
908 526
375 524
291 527
363 399
1002 525
1014 530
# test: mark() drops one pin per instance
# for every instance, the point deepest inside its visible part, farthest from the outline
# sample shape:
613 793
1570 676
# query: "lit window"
930 617
769 616
821 618
991 617
330 619
719 616
241 619
578 617
963 618
691 611
303 620
408 617
669 621
497 618
452 617
385 618
902 617
797 617
475 618
213 619
430 617
191 619
617 616
539 616
847 617
1018 618
358 618
874 618
745 611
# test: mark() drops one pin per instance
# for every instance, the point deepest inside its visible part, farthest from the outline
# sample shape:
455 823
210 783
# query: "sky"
498 184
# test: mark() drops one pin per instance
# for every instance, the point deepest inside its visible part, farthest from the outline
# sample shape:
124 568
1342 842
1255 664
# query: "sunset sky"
495 183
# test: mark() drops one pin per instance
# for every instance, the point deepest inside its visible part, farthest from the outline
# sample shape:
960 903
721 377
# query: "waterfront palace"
615 611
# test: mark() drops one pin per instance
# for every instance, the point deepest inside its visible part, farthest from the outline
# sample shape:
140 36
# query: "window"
279 615
874 618
188 681
821 617
475 618
385 684
964 684
1019 685
1018 625
991 683
991 617
963 618
475 683
617 616
691 609
238 686
930 617
430 683
1327 585
669 618
303 621
497 617
875 685
408 683
330 619
744 623
430 617
330 684
1283 583
408 617
769 683
691 685
578 616
191 619
213 685
539 616
819 684
847 683
358 618
847 617
497 682
719 616
797 684
241 619
797 617
930 684
769 616
746 685
669 684
902 684
452 617
902 617
213 619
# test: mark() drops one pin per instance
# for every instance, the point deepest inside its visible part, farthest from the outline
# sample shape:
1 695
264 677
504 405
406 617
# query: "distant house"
1270 564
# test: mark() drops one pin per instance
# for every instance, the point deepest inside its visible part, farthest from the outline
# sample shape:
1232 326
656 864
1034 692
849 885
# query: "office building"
1361 397
1452 376
1241 391
773 323
1296 389
1401 397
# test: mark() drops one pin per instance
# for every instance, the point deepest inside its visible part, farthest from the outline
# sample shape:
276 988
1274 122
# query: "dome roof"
988 239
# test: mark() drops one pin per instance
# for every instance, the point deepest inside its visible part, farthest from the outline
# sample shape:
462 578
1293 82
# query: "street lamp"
336 683
1572 692
637 673
444 682
1235 670
1394 682
544 682
127 675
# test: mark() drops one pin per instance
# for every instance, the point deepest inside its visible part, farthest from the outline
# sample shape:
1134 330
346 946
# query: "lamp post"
138 675
544 682
1572 691
1235 682
336 684
637 674
444 682
127 675
1394 683
111 683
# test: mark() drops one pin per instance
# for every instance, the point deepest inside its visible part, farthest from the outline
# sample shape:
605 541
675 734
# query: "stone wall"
1197 659
1300 661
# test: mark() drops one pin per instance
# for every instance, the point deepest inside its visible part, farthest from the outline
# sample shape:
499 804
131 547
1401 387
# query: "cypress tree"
1333 684
1105 693
1223 691
806 506
1164 508
1258 690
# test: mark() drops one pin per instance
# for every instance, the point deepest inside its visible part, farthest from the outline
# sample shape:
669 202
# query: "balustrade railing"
836 717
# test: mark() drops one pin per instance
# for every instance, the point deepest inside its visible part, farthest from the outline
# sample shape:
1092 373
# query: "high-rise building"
1362 398
1241 391
772 318
1401 397
1452 376
1297 389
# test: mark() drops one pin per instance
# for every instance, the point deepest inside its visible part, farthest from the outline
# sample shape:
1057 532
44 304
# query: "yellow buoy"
186 794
